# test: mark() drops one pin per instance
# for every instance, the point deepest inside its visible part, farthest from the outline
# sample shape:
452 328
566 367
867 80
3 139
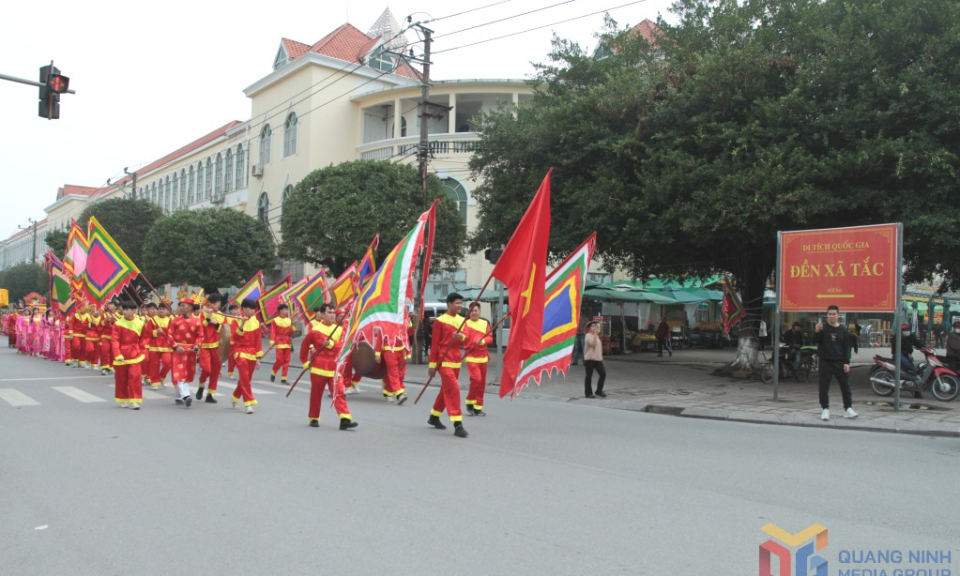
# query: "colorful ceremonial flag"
732 311
368 264
312 294
382 302
431 231
271 299
75 256
253 289
51 262
522 269
561 316
60 292
345 287
287 295
108 268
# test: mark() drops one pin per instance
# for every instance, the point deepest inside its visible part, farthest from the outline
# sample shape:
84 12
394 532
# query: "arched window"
190 187
166 195
218 176
283 198
199 181
263 209
183 188
290 135
241 165
175 203
228 172
265 135
208 180
456 192
153 193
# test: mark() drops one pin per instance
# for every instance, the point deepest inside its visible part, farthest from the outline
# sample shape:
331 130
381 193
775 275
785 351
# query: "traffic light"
54 84
492 254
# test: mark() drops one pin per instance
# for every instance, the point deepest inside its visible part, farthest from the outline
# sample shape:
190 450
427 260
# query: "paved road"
540 487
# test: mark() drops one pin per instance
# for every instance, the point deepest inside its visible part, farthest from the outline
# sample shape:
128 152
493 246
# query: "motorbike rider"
793 340
953 346
908 343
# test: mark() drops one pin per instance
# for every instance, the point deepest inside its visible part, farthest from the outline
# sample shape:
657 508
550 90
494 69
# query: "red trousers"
478 383
244 391
77 344
401 367
317 385
106 354
231 363
158 366
392 383
129 388
282 363
449 396
91 352
210 368
184 366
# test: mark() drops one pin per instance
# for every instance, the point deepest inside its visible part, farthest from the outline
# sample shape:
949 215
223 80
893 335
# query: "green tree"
56 240
744 119
23 279
210 248
334 213
126 220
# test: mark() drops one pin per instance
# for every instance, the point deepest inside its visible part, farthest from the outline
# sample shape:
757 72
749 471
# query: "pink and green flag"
108 268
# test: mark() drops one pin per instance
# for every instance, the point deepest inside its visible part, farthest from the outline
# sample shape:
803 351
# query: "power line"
466 11
539 27
504 19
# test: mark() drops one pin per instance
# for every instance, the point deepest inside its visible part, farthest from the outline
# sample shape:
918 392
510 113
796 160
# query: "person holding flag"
476 330
325 342
186 333
445 358
128 347
248 349
210 348
232 311
281 331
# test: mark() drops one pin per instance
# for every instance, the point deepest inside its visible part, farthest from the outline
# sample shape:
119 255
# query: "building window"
241 165
183 189
228 172
166 196
218 181
199 181
265 135
174 204
263 209
403 127
208 180
190 187
456 192
283 198
281 60
290 135
153 193
380 61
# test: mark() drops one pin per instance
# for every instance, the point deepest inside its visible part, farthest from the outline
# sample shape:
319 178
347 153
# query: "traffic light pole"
29 82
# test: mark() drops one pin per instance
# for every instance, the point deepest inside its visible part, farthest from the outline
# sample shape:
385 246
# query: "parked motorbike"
808 358
932 375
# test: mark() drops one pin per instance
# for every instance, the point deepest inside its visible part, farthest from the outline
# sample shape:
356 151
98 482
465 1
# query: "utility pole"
424 157
133 182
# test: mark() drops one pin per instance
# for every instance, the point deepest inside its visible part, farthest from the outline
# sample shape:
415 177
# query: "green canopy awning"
608 294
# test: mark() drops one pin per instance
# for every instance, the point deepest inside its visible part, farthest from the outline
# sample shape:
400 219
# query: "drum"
224 348
365 363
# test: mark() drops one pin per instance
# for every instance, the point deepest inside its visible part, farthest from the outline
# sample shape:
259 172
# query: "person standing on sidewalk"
578 346
593 360
663 337
833 346
953 347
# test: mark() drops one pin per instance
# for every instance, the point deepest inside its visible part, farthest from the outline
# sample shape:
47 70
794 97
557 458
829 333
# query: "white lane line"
57 378
16 398
78 394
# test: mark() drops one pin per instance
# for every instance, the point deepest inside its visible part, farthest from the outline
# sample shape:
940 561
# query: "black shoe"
660 354
314 423
671 354
478 412
273 377
459 431
284 381
180 401
589 396
573 363
601 394
188 401
347 424
401 398
436 423
210 399
200 393
470 410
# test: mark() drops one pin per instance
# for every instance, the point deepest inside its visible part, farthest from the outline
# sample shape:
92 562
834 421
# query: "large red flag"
522 269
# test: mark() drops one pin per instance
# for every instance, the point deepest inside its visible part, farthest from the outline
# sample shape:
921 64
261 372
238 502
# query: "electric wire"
504 19
466 12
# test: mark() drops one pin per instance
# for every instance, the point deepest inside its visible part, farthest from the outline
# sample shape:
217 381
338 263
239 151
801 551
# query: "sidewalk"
682 385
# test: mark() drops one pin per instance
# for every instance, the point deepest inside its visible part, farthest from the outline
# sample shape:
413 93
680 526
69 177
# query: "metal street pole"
424 157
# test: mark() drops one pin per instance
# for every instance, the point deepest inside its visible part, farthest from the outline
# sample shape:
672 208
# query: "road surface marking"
78 394
58 378
16 398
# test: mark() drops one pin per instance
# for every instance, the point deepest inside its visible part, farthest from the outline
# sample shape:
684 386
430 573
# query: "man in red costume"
446 339
248 348
106 338
213 323
281 332
186 333
234 324
128 349
324 341
477 358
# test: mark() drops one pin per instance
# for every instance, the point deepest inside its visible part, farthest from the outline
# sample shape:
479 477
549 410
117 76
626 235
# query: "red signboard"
854 268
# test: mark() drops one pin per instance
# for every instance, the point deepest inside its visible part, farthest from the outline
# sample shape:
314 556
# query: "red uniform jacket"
212 322
247 342
129 341
444 327
185 332
93 328
281 330
326 339
79 325
476 333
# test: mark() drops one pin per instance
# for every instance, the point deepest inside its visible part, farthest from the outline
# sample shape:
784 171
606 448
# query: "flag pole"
317 349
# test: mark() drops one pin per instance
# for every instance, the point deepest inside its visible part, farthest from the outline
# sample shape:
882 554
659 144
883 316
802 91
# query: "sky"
151 79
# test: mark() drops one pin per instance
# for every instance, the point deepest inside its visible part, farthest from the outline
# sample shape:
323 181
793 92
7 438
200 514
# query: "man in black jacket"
833 346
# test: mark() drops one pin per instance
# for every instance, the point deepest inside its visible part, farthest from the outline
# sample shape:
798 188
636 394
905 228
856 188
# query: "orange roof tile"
294 49
73 190
346 43
649 30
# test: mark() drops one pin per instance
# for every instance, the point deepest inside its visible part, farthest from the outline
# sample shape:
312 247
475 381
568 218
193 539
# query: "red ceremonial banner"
854 268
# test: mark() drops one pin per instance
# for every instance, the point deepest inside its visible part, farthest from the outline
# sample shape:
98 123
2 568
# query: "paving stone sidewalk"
682 385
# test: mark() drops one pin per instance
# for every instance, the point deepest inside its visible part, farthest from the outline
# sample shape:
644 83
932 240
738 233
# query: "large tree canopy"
56 240
23 279
334 213
126 220
210 248
743 119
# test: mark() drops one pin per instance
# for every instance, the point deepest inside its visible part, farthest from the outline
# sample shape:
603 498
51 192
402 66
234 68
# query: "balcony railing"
438 144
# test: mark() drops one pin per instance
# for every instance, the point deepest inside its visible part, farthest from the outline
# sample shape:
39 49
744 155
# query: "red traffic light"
58 83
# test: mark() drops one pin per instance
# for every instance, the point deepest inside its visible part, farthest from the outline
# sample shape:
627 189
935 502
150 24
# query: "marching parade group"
143 345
